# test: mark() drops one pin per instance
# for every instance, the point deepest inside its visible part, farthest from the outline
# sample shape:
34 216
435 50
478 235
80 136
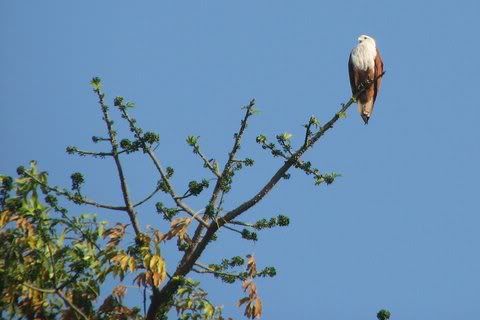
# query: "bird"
365 64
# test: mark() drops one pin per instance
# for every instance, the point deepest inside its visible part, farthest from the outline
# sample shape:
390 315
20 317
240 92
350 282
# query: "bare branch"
232 229
75 150
147 198
240 223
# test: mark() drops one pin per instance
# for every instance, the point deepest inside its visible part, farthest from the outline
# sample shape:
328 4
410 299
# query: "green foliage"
280 221
77 181
96 84
249 235
195 188
191 302
383 314
168 213
50 263
193 141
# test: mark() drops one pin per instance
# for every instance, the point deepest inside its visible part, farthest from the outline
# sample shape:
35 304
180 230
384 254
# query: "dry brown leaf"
178 228
119 291
251 266
115 234
242 301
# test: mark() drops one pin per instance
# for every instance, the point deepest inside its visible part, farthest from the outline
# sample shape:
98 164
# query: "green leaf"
342 115
96 83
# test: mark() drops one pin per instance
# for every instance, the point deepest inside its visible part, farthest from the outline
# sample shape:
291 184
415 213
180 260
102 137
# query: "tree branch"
71 305
161 171
293 159
147 198
62 192
113 142
207 163
226 170
161 299
61 295
206 269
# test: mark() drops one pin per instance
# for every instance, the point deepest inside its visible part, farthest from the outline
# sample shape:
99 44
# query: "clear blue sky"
398 230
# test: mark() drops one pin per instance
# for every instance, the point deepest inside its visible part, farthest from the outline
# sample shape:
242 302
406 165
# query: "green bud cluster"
210 210
193 142
249 235
279 221
163 185
77 181
168 213
195 188
383 314
328 178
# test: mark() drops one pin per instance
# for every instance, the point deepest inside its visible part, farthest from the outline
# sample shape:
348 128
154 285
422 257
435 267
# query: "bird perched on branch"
365 64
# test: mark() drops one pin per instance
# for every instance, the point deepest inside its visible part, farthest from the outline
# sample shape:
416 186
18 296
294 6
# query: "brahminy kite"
365 64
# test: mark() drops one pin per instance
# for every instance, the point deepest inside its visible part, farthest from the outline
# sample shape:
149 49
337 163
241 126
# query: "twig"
31 286
240 223
206 269
68 195
147 198
72 305
61 295
232 229
207 163
90 153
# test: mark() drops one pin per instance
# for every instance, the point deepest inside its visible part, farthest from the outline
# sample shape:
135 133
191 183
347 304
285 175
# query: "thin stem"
61 295
92 153
71 305
232 229
147 198
206 269
62 192
240 223
207 163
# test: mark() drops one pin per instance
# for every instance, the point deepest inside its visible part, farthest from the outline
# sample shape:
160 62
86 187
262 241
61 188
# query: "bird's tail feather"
365 110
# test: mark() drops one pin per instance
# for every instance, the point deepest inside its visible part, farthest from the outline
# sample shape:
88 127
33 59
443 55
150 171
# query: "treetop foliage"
54 264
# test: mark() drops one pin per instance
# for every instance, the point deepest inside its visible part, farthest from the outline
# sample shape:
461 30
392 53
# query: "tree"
55 265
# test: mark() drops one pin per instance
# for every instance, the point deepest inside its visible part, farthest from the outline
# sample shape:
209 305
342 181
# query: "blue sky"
398 230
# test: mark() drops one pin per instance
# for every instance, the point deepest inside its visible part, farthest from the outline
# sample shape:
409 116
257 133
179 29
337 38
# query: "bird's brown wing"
352 75
377 72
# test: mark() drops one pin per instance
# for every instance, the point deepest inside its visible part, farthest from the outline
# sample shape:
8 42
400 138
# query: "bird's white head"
364 39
